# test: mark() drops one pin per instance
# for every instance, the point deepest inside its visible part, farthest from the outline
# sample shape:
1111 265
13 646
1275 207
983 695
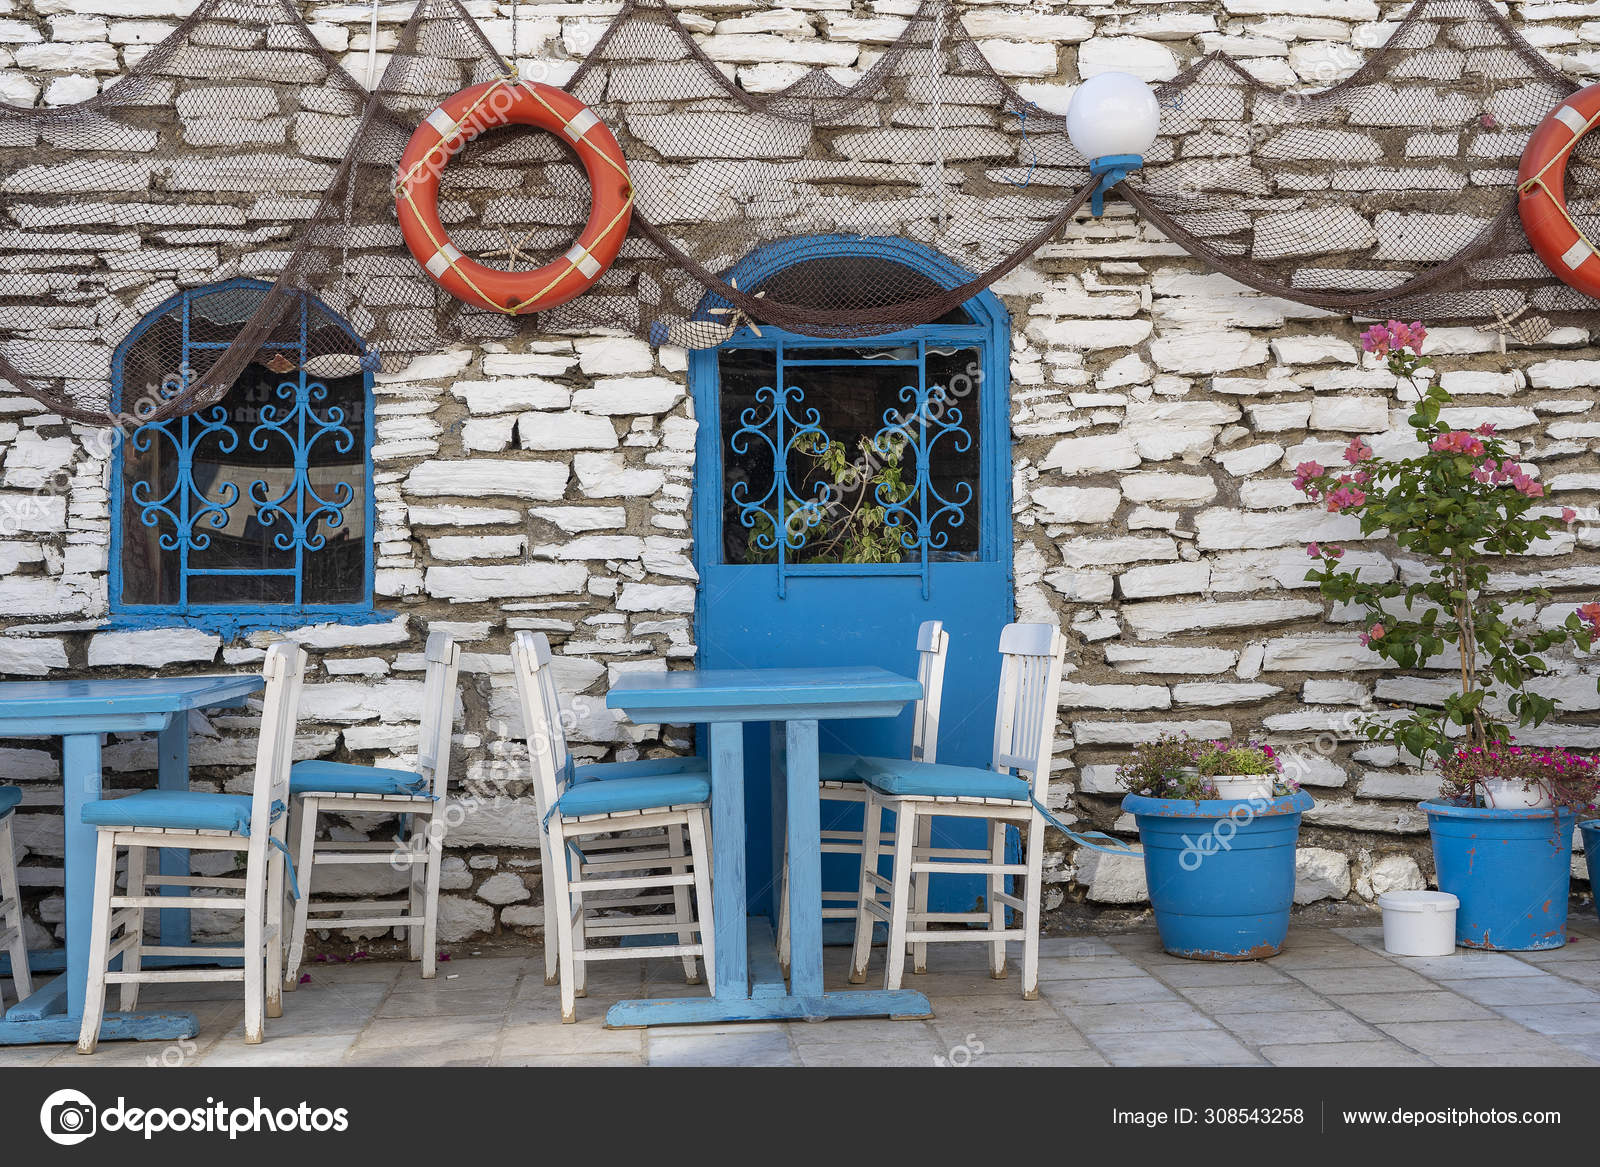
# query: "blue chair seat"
186 810
10 796
319 777
841 767
937 780
641 768
649 793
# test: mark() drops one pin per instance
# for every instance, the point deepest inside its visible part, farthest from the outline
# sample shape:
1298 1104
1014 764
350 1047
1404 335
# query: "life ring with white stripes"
446 131
1541 195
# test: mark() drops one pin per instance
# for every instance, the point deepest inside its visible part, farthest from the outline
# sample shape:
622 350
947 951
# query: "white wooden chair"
417 795
1024 731
253 823
574 873
666 847
12 938
842 786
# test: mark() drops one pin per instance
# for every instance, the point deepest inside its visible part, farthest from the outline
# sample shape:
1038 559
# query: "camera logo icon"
68 1117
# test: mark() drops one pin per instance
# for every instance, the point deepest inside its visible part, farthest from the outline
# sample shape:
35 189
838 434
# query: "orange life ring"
447 130
1541 197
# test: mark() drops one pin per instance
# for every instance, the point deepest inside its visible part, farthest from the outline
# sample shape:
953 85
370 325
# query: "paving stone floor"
1332 997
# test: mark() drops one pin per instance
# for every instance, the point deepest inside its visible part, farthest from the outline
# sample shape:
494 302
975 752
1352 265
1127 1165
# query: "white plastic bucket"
1243 785
1419 923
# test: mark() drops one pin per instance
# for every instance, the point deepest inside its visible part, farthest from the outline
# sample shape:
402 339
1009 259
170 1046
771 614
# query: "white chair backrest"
284 670
1030 691
933 643
541 718
443 655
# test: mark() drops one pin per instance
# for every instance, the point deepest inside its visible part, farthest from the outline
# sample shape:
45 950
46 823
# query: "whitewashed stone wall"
544 483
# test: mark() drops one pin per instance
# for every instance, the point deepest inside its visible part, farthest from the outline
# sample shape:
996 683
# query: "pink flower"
1418 335
1382 339
1314 551
1343 497
1568 515
1371 634
1590 615
1357 451
1375 340
1486 429
1304 473
1530 488
1334 552
1457 442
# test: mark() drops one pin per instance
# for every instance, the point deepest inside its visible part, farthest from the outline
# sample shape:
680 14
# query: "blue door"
845 492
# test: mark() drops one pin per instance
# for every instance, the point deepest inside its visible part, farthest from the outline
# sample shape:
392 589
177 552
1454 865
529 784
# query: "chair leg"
302 907
1033 901
579 933
919 883
414 833
105 885
11 894
682 906
430 899
552 923
255 956
783 909
997 910
557 887
872 829
700 854
272 934
133 958
905 826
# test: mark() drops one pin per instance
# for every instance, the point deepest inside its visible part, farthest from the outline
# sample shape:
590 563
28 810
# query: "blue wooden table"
793 701
80 713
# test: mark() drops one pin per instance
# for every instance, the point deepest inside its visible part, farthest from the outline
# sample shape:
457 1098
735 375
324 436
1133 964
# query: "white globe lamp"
1112 120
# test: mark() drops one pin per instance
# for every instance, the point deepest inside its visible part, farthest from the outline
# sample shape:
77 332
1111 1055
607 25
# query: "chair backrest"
541 718
933 643
1031 657
443 657
284 671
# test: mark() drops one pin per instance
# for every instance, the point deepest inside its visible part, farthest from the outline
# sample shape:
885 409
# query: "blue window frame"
256 511
902 409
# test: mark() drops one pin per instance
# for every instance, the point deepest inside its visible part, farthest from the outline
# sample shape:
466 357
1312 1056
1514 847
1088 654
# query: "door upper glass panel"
850 454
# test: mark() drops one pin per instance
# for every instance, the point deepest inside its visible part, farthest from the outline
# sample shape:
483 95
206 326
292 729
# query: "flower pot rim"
1449 810
1213 808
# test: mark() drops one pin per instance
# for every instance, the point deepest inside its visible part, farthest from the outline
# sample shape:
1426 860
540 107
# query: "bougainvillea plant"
1463 507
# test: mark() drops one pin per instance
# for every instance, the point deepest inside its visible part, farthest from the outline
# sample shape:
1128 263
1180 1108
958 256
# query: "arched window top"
854 272
256 510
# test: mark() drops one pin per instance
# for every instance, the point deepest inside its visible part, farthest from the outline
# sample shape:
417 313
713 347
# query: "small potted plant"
1502 830
1220 870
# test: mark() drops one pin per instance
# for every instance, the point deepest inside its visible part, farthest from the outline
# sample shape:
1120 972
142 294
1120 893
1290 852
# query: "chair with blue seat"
12 938
417 796
1009 793
660 794
842 787
251 823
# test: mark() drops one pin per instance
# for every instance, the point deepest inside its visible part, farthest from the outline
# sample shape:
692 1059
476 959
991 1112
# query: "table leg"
80 771
172 745
805 861
728 861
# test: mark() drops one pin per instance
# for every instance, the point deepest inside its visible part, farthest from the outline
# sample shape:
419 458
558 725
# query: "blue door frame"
795 614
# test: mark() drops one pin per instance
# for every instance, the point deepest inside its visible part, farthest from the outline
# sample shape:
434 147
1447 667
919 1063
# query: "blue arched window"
257 510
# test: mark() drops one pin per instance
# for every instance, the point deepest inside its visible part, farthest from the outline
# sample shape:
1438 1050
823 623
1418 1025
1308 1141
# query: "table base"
898 1005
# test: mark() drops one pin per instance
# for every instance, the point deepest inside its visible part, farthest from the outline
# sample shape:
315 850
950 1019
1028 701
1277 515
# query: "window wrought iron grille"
256 510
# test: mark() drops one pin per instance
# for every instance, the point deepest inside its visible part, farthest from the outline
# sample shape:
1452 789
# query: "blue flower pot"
1220 872
1591 855
1511 870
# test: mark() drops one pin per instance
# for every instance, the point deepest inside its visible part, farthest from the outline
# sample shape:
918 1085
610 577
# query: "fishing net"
239 150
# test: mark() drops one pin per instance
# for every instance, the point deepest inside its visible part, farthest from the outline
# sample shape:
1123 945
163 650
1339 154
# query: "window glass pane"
851 435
